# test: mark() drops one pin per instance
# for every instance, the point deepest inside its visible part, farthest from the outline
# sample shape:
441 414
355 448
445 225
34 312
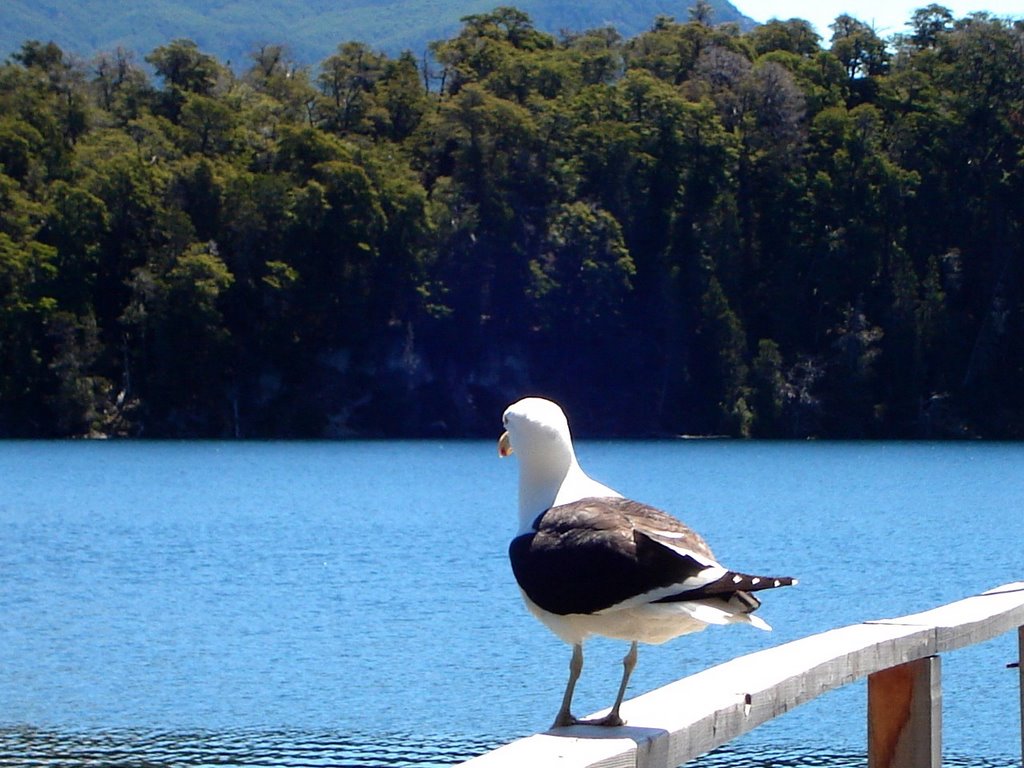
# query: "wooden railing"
676 723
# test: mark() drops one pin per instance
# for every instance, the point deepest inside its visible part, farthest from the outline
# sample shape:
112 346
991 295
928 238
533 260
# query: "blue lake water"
350 603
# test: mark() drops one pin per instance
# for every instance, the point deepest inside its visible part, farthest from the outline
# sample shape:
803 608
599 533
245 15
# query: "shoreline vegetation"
696 230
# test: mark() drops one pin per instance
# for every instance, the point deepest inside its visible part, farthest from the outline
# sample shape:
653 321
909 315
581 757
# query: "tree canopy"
694 230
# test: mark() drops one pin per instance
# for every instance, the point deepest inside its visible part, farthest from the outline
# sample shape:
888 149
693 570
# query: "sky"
888 17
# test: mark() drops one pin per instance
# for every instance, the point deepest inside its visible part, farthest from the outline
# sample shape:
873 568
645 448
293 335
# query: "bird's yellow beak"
504 445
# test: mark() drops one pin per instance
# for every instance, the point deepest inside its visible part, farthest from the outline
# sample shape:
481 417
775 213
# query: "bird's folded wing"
602 554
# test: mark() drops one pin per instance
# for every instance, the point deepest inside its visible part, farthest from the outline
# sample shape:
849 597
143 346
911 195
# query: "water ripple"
27 747
790 756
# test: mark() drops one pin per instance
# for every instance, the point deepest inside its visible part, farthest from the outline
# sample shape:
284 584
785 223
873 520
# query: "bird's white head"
537 432
536 428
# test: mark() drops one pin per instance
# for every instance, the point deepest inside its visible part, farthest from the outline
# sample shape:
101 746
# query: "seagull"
589 561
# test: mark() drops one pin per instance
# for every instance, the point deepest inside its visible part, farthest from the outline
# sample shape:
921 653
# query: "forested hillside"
310 28
695 230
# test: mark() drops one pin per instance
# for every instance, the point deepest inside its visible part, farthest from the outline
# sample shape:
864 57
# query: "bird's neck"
539 483
545 484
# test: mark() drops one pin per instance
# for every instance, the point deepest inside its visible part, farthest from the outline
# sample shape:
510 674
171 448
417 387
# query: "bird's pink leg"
613 718
564 716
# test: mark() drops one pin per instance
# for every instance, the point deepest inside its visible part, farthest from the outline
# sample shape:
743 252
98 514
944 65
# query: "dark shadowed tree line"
695 230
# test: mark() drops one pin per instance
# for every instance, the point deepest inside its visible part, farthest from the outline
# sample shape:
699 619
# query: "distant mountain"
311 29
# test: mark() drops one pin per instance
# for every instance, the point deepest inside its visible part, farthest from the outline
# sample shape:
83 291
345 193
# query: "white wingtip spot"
737 579
755 580
778 583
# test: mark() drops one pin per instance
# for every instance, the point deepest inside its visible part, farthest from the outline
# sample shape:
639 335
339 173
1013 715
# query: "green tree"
80 399
860 196
723 343
484 46
185 357
64 83
207 125
794 36
862 53
598 54
401 98
347 80
26 269
76 227
581 283
184 70
183 66
769 390
929 24
490 148
120 85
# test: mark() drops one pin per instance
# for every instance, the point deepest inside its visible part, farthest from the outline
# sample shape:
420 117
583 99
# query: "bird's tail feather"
732 583
738 609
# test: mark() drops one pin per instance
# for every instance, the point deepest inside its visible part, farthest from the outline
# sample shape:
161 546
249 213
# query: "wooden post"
1020 671
905 716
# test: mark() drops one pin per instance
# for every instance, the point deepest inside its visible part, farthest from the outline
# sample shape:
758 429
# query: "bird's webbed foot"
564 720
611 720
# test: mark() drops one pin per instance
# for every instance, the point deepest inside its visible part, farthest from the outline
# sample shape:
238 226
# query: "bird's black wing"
596 553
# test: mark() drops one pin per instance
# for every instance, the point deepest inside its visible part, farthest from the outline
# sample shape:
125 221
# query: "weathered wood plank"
905 716
972 620
689 717
755 688
594 748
